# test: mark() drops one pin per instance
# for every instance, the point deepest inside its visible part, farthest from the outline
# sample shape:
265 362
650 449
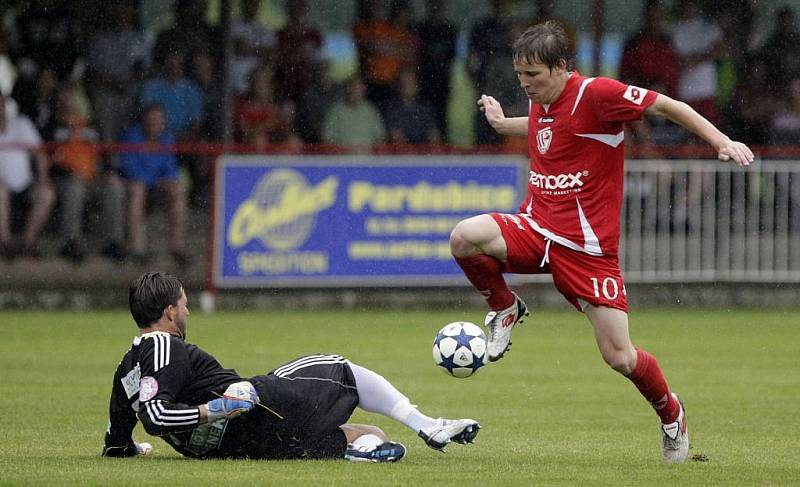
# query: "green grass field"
552 412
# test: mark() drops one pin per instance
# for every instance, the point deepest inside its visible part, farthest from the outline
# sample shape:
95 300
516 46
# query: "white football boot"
444 431
675 437
500 323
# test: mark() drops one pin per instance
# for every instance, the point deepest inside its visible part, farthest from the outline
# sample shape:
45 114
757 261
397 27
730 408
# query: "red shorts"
580 277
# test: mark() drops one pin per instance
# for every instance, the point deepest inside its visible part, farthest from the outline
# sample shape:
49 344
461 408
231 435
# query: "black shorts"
310 397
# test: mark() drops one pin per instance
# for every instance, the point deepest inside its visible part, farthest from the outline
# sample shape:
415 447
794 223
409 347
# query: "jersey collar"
138 339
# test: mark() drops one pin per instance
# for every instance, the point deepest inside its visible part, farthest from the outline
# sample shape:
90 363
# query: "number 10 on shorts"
608 286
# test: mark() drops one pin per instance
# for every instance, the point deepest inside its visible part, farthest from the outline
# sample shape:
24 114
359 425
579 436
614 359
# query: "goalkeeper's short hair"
150 294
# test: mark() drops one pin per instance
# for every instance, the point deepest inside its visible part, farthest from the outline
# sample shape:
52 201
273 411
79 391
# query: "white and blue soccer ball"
460 349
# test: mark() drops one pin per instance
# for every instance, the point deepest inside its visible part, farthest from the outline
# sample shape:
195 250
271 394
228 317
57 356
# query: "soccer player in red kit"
568 224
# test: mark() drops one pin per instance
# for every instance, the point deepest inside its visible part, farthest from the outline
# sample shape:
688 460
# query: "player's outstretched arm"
685 116
493 111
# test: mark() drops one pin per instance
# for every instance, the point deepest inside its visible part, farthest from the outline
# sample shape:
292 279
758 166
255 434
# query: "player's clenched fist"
239 398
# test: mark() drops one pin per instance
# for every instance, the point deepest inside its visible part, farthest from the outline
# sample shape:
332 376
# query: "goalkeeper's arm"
118 441
239 398
160 417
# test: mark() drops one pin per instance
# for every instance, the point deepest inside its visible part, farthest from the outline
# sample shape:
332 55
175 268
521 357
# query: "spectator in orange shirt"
76 169
385 48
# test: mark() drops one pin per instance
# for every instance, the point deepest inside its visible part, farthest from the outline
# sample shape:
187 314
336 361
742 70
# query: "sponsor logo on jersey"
543 139
547 120
635 94
148 388
560 181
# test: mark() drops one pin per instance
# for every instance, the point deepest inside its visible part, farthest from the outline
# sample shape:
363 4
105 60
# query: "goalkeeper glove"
239 398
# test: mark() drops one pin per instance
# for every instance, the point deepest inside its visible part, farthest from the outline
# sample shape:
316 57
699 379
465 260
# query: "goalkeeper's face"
182 314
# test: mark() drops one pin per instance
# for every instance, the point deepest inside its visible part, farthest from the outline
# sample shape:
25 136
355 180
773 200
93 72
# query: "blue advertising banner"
333 220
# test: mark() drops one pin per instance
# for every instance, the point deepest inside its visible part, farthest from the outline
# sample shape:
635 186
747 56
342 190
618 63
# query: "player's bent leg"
477 235
478 246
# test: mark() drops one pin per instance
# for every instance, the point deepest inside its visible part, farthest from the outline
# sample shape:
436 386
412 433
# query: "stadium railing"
689 220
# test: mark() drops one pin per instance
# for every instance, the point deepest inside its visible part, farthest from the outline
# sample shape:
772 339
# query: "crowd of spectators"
709 55
69 86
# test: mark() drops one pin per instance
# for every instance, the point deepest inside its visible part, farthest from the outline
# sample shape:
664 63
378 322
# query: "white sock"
368 440
378 395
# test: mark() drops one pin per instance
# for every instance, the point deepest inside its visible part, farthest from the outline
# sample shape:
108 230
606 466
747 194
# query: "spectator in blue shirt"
149 165
180 97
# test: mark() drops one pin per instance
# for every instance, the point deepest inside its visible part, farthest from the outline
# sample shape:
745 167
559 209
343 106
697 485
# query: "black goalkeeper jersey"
163 380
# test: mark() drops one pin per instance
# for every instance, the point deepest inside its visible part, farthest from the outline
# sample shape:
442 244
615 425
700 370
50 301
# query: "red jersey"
575 185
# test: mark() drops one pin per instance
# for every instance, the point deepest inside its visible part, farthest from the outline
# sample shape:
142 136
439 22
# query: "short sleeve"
618 102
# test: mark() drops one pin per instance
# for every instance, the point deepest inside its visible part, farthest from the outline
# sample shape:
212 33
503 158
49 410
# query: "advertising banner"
342 220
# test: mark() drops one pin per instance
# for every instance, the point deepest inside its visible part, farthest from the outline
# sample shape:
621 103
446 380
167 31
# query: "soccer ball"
460 349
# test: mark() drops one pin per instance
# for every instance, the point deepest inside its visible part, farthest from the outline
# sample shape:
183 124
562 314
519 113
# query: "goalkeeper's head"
158 303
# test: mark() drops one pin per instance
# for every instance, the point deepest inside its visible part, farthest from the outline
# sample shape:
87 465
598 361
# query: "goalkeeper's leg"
377 395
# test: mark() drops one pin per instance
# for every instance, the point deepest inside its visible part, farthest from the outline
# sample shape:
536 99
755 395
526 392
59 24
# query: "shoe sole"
468 435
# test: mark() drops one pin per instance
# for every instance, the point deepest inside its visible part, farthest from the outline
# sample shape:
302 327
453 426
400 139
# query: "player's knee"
620 360
458 242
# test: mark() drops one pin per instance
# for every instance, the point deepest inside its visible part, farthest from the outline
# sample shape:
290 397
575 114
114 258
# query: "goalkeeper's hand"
239 398
143 448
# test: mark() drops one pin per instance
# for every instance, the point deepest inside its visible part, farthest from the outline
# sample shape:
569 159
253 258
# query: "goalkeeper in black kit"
299 410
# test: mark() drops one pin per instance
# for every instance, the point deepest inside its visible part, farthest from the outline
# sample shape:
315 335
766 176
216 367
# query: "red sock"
648 378
484 272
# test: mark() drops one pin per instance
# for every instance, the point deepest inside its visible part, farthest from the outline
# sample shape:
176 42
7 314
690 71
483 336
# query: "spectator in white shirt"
19 140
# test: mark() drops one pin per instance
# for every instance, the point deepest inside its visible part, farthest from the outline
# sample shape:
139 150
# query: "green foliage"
552 412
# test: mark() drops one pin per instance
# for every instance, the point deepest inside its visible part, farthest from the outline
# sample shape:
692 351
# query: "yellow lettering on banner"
425 197
251 220
399 250
410 225
282 263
